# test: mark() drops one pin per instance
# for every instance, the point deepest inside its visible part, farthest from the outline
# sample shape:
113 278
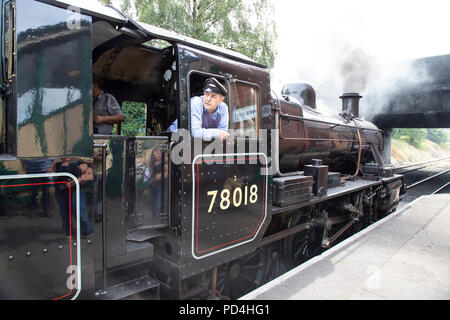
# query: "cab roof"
124 23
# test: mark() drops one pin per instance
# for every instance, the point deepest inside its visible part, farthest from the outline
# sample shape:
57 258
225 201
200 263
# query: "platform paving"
405 256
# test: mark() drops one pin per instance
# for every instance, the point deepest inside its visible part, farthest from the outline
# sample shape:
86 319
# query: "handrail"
169 173
104 248
4 68
296 118
275 136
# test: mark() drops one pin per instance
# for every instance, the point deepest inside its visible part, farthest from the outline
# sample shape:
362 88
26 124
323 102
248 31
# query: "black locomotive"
92 216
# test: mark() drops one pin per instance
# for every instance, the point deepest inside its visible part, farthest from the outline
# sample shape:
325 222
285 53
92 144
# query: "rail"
441 188
420 165
428 178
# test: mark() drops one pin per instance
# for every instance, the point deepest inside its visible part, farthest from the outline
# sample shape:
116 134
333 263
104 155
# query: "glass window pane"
244 102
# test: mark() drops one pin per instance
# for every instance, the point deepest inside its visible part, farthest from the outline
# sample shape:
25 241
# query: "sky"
316 37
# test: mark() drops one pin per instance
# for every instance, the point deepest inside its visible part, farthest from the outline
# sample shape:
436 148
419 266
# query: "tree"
245 26
135 115
438 136
414 137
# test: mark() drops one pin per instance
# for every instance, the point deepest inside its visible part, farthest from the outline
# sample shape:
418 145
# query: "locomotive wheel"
301 247
243 275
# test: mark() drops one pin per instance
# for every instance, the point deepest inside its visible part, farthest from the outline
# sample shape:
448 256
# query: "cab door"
130 204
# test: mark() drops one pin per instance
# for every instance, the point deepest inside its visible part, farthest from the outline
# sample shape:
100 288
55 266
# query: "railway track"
409 167
431 177
443 189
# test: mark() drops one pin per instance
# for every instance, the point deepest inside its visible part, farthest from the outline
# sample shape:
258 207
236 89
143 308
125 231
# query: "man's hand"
98 119
223 135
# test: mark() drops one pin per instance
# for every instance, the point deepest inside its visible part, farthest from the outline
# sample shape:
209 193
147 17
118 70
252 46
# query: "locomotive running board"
350 186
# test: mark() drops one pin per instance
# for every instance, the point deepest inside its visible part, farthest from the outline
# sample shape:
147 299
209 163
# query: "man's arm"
109 119
114 110
224 118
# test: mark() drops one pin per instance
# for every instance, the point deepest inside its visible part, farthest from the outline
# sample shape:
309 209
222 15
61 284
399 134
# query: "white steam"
353 46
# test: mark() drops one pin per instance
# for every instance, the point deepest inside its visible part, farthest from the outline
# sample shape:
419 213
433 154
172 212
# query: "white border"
194 190
62 174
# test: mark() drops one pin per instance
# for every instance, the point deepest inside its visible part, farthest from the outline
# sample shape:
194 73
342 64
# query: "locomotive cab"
156 225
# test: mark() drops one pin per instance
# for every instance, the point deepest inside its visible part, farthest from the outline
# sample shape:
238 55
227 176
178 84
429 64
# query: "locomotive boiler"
341 141
87 216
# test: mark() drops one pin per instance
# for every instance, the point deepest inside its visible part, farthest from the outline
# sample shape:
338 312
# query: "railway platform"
405 256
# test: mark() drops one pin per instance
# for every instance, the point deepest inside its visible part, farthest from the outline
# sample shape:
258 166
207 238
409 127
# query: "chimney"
350 103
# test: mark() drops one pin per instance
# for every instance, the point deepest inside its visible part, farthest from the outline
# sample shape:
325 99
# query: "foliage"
413 136
245 26
135 115
416 137
438 136
125 5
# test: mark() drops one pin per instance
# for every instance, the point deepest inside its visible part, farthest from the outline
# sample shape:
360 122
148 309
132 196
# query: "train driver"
107 110
209 113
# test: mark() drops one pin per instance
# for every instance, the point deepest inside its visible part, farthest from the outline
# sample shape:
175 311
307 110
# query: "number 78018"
239 197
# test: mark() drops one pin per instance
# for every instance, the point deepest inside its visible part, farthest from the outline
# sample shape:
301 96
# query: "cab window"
244 106
196 80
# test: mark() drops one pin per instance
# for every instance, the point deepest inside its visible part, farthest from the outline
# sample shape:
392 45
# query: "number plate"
229 201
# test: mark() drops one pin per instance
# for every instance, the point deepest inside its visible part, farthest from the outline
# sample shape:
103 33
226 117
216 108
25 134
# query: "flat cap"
212 85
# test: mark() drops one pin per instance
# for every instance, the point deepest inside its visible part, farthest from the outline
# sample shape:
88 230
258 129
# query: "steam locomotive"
86 216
